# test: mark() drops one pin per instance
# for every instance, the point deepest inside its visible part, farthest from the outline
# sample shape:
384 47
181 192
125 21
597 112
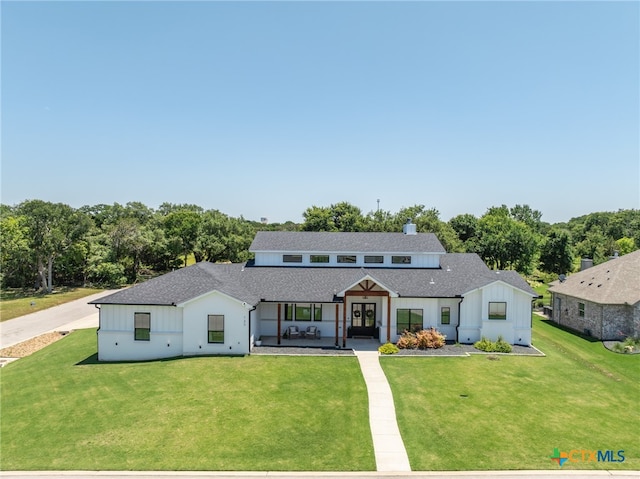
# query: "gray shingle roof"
325 242
615 282
459 274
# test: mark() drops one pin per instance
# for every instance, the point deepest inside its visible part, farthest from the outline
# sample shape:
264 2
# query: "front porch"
313 346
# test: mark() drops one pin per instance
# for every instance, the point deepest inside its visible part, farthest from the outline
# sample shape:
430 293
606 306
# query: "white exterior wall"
470 317
418 260
236 327
448 330
516 329
116 335
430 313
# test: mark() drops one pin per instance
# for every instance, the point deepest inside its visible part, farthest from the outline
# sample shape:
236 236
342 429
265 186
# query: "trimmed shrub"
388 348
500 346
424 339
407 341
429 339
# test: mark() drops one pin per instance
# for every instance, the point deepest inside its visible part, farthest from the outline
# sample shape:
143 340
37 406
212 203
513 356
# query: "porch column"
344 321
279 306
337 322
388 317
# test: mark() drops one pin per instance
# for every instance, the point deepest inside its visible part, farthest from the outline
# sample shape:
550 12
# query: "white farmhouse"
344 284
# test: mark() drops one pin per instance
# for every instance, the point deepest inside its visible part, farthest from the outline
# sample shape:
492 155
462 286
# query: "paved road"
332 475
72 315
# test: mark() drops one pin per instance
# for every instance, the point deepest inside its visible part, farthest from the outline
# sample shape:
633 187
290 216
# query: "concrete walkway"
391 456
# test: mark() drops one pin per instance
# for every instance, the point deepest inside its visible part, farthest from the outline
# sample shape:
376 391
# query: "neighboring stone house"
602 301
342 285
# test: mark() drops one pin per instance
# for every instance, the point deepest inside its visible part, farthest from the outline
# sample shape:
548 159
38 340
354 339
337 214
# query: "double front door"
363 319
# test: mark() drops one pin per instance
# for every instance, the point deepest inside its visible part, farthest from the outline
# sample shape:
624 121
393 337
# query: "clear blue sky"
267 108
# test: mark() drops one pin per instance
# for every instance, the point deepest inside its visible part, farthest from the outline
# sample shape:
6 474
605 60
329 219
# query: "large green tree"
14 249
556 252
53 228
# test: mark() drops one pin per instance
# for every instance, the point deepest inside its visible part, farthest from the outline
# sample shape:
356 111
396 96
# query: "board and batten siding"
430 313
116 333
470 317
236 325
516 329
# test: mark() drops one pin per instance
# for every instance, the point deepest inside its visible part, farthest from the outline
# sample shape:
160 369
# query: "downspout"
389 318
458 324
97 306
249 328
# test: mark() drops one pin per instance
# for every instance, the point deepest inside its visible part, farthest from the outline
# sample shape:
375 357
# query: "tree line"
44 243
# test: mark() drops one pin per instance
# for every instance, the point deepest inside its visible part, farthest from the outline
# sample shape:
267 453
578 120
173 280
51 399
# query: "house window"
445 315
303 312
374 259
581 310
288 312
319 258
401 259
317 312
346 258
408 320
292 258
497 310
216 328
142 326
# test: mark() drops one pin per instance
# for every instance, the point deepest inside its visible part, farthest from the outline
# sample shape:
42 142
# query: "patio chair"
312 332
293 332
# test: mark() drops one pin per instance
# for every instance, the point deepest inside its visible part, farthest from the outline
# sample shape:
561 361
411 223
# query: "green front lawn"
476 413
17 303
61 410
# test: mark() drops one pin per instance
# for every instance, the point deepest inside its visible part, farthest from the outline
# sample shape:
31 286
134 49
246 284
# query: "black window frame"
292 258
317 308
401 259
447 315
411 326
141 333
347 259
319 258
374 259
213 331
497 316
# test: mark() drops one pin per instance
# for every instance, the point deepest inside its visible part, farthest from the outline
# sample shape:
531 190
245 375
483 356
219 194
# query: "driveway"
72 315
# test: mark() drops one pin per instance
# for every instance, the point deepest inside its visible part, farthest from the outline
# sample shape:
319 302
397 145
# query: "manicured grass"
475 413
16 303
61 410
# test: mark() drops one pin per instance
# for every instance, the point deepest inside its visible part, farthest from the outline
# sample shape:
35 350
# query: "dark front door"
363 319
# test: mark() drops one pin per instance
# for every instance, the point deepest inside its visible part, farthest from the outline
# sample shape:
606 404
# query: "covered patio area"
322 346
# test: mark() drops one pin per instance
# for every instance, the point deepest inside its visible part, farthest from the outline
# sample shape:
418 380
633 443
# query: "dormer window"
319 258
401 259
347 258
374 259
292 258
